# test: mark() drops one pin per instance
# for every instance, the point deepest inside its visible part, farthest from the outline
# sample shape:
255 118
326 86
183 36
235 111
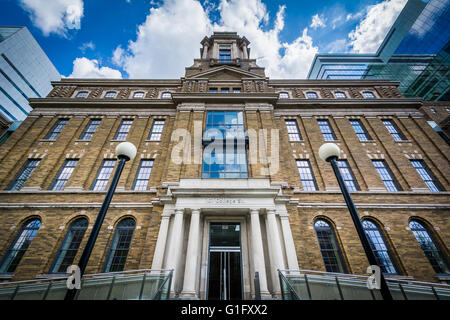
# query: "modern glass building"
415 53
25 72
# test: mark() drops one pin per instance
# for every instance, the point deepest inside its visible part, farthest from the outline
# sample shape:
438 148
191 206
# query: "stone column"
192 253
291 254
158 256
176 238
205 51
258 252
275 248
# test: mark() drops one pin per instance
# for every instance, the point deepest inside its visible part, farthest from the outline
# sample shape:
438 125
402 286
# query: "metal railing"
317 285
144 284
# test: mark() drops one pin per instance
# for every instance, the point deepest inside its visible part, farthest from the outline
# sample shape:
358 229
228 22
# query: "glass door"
225 266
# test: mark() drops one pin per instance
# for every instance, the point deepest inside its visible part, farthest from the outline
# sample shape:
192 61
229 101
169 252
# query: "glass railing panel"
7 292
443 294
418 292
355 289
323 288
94 289
395 291
31 292
152 284
127 287
165 290
57 291
298 283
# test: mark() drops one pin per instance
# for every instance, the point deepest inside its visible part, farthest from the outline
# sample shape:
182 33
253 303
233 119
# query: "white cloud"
55 16
85 68
337 46
373 28
87 45
169 39
317 22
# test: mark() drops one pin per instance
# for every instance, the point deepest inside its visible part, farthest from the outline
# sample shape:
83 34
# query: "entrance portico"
216 232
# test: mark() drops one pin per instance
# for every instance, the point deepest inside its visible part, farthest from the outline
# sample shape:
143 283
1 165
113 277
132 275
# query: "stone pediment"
225 73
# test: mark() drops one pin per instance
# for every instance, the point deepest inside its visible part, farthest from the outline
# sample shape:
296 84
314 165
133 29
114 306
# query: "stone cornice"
109 103
332 83
224 97
350 103
117 82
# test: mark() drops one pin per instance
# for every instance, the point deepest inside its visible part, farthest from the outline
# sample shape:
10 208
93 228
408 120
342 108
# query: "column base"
188 295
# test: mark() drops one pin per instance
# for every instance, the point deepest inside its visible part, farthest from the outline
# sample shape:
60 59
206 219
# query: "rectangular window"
104 173
327 132
143 175
56 130
64 174
224 90
306 175
24 174
90 129
427 176
224 55
236 90
386 175
156 131
393 130
347 175
360 131
292 129
224 154
123 130
213 90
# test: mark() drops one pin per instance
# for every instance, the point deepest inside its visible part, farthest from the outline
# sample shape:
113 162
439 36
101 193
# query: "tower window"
311 95
213 90
138 95
340 95
224 55
82 94
283 95
368 95
166 95
110 95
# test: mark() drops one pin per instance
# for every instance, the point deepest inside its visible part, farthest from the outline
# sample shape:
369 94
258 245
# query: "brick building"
278 207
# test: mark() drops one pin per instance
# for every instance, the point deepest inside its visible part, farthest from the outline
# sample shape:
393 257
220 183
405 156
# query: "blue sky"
157 39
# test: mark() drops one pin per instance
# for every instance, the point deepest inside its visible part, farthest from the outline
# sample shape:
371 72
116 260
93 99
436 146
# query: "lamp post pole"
125 151
330 153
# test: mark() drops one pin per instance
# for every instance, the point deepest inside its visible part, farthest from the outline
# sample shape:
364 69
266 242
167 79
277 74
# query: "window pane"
379 247
69 247
368 95
90 129
311 95
347 175
327 132
227 157
120 246
110 94
24 174
306 175
166 95
360 130
82 94
103 175
292 128
224 55
19 246
156 131
283 95
123 130
393 130
56 130
426 175
64 174
430 247
386 175
340 95
138 95
329 247
143 175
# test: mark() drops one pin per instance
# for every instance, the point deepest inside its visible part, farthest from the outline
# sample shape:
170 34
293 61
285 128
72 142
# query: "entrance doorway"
225 261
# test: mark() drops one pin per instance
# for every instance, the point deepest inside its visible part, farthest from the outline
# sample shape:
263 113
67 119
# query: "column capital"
195 211
254 211
271 211
179 211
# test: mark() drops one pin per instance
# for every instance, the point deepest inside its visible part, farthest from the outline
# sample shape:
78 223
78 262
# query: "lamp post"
329 152
125 151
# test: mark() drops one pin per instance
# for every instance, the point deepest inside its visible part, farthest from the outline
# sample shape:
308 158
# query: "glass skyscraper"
415 53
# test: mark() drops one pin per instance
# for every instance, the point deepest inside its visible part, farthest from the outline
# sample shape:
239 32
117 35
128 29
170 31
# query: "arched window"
120 245
138 95
329 247
166 95
311 95
110 95
82 94
368 95
283 95
69 247
340 95
379 247
19 246
430 247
